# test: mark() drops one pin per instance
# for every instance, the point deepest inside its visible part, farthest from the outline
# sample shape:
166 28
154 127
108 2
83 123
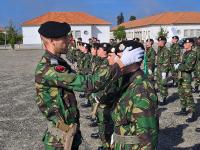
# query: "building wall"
101 32
151 31
31 36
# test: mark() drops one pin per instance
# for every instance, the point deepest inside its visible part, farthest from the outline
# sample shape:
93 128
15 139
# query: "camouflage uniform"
162 67
197 69
150 59
175 53
185 88
55 83
135 118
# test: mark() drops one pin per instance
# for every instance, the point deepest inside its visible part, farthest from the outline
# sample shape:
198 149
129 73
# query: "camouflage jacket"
175 53
163 59
55 83
197 66
187 65
82 60
150 58
135 112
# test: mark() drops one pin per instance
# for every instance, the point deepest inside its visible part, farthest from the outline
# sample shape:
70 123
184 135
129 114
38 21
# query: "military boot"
192 118
93 124
95 135
86 104
183 112
197 129
162 102
82 95
195 90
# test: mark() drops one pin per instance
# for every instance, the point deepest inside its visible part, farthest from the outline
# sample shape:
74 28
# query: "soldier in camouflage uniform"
175 53
197 68
162 68
186 67
134 115
150 58
56 81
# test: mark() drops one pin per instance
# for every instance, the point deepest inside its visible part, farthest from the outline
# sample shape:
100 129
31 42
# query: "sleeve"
189 63
81 83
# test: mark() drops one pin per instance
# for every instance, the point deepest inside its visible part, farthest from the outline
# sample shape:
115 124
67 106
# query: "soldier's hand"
131 56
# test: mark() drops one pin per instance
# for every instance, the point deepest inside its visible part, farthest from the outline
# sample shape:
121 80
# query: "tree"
163 32
120 33
132 18
13 36
120 19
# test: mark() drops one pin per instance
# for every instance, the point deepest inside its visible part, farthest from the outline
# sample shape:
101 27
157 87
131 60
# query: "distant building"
183 24
82 25
1 30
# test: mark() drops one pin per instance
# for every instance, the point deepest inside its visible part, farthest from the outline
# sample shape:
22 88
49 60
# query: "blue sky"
20 11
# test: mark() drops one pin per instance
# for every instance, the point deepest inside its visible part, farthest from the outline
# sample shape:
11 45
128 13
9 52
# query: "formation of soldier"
121 92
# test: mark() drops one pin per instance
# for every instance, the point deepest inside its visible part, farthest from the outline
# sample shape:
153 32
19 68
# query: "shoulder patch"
60 68
54 61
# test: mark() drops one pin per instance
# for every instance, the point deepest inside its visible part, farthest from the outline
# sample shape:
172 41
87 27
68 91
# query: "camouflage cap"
86 45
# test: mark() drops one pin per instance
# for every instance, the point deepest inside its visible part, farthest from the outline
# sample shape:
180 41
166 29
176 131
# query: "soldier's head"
120 47
103 50
198 41
55 36
94 49
79 39
175 39
90 41
136 39
85 47
188 43
149 43
162 41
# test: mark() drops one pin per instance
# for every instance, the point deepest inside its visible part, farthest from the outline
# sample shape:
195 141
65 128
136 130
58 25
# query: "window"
77 34
186 33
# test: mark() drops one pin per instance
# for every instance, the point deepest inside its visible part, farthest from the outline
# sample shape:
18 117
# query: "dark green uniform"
163 60
185 88
135 118
55 83
150 59
197 69
175 53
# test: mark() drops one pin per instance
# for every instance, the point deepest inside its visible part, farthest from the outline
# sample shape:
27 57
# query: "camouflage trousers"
105 124
52 143
162 84
174 73
185 95
196 78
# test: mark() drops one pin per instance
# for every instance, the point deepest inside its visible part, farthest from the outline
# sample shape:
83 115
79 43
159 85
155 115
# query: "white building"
182 24
82 25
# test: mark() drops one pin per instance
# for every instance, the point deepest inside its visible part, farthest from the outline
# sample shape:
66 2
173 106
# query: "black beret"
106 47
136 39
122 45
162 38
175 37
95 45
86 45
189 40
150 40
52 29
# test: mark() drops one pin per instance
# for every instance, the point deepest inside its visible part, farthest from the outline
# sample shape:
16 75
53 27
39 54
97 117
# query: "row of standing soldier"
172 60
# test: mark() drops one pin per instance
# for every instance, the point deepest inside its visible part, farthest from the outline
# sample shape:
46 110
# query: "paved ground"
22 125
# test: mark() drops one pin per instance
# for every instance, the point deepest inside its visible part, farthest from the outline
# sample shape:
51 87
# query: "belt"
125 139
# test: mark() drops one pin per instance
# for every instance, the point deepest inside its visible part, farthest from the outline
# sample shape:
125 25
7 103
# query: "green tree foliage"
163 32
120 33
132 18
13 37
120 19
